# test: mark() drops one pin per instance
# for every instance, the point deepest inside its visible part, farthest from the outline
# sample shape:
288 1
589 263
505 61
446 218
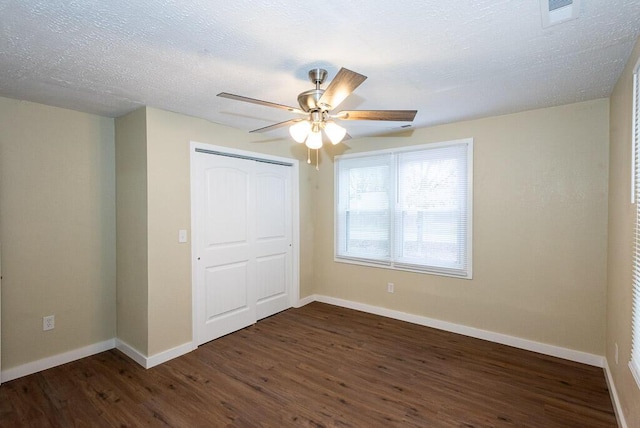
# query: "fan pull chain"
309 156
317 159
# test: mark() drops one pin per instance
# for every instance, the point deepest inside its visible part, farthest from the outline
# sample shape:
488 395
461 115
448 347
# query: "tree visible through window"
407 209
432 203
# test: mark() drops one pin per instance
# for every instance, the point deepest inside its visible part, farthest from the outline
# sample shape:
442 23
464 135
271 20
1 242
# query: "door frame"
294 295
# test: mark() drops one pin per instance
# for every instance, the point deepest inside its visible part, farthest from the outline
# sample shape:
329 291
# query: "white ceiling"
450 60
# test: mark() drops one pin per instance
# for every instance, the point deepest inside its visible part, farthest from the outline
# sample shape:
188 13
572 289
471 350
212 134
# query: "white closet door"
273 238
243 241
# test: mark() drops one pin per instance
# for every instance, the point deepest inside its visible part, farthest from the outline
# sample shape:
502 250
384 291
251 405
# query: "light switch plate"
182 235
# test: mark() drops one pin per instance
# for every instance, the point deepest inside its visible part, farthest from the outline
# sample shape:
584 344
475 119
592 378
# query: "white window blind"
407 209
365 200
634 364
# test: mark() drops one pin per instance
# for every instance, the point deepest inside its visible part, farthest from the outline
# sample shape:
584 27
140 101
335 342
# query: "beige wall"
535 172
57 223
539 231
621 224
131 220
168 202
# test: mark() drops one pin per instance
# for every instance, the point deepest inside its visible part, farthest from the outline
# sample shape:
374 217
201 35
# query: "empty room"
281 213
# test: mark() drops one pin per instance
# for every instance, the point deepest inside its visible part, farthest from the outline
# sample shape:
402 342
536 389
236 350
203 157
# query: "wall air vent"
556 11
557 4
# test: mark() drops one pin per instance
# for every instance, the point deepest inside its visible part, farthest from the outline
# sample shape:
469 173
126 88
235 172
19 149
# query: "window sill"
451 273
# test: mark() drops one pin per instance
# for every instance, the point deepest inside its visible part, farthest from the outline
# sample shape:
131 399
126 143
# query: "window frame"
394 264
634 360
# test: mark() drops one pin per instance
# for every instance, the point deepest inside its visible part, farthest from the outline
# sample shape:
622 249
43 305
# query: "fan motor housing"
308 100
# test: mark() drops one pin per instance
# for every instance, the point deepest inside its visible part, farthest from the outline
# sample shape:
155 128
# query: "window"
634 364
407 209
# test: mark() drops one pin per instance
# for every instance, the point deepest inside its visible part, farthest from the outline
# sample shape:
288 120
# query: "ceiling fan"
316 105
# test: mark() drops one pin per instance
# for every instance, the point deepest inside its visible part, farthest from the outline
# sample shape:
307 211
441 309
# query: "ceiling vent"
557 11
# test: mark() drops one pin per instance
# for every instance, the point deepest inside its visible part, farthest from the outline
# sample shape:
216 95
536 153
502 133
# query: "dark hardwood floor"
318 366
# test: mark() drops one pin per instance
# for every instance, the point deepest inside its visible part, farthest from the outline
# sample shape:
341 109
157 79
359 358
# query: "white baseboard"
169 354
56 360
622 423
305 301
131 352
76 354
516 342
154 360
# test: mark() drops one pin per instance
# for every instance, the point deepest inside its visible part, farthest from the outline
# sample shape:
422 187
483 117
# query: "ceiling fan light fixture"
314 140
317 105
335 132
299 131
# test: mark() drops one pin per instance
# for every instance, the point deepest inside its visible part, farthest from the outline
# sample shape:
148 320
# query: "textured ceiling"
450 60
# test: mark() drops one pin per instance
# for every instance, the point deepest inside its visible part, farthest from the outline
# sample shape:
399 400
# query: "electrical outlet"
390 287
49 322
616 344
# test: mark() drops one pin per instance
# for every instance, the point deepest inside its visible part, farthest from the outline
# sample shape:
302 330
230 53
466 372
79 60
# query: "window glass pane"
364 186
368 212
431 213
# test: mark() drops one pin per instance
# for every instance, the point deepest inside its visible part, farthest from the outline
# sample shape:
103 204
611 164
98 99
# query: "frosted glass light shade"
300 131
335 132
314 140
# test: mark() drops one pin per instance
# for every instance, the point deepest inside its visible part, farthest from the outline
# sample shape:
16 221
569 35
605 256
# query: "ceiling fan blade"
277 125
345 82
260 102
397 115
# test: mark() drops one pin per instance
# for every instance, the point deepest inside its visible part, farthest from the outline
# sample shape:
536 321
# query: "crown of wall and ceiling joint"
557 11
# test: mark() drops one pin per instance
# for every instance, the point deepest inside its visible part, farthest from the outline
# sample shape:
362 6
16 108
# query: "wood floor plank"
318 366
